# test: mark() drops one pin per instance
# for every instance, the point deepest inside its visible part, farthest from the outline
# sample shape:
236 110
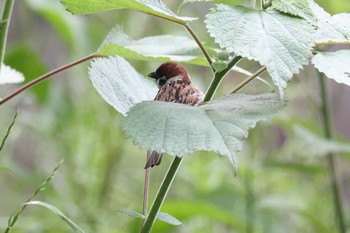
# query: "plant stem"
335 184
218 77
13 219
162 192
8 130
245 82
146 191
45 76
5 19
202 48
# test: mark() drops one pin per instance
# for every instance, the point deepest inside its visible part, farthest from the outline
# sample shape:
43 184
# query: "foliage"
281 168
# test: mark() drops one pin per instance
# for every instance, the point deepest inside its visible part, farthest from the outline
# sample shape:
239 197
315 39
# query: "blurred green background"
282 184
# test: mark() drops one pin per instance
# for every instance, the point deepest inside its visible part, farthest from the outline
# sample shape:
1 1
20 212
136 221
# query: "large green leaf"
331 29
156 48
178 129
280 42
335 65
119 84
299 8
152 7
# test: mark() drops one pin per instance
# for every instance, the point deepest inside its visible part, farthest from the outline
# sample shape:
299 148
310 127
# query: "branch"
45 76
335 184
245 82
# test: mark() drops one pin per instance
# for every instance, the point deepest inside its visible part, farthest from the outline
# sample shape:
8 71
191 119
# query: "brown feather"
176 89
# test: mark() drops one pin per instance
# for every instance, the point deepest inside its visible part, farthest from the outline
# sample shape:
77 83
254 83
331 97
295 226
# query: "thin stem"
248 80
199 43
8 130
13 219
162 192
188 28
218 77
146 191
335 184
45 76
5 20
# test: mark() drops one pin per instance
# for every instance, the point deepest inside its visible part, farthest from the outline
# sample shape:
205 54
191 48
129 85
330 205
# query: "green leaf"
223 56
280 42
219 125
152 7
335 65
119 84
131 213
167 218
156 48
73 225
331 29
300 8
219 65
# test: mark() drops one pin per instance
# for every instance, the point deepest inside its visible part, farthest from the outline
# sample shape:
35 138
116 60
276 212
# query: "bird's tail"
154 159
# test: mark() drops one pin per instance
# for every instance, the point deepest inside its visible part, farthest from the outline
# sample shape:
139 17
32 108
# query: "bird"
174 84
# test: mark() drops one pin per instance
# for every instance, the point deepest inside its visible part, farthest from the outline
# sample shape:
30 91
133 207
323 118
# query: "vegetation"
290 57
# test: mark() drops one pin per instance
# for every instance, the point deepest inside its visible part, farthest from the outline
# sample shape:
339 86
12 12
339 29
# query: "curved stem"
199 43
245 82
335 184
162 192
13 218
45 76
5 19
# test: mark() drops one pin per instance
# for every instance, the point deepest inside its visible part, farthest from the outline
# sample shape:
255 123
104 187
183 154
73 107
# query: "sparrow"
175 86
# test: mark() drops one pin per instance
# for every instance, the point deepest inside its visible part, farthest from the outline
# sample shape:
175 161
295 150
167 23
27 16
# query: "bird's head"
170 70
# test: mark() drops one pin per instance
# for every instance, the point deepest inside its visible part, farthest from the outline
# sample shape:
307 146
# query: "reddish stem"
45 76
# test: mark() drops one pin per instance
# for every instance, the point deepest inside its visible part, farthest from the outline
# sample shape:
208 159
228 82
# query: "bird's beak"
152 75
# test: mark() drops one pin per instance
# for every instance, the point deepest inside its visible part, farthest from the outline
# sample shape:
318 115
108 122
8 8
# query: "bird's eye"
161 81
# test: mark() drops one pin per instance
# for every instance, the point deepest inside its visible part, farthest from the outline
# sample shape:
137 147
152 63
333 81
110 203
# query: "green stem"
335 185
45 76
13 219
162 192
5 19
218 77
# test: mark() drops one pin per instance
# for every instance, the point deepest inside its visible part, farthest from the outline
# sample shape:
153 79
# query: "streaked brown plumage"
175 86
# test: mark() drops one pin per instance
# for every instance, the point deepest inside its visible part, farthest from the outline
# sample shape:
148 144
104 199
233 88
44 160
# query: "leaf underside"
119 84
335 65
300 8
219 125
331 29
280 42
